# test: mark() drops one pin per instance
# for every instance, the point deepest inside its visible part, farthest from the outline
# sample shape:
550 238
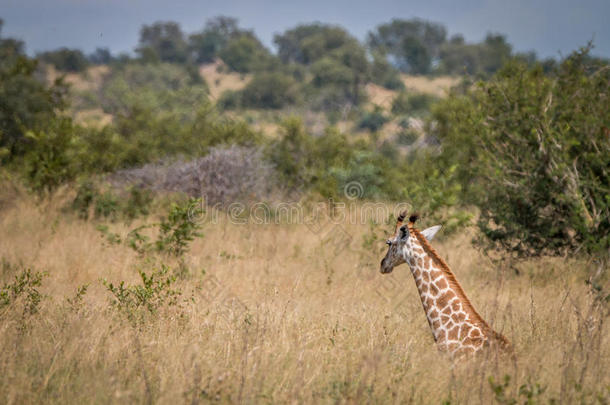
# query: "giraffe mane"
457 288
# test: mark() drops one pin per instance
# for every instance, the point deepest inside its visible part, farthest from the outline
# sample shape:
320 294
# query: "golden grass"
221 81
90 80
320 324
380 96
435 86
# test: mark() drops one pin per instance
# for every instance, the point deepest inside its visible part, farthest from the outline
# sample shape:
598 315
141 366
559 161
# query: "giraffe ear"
430 232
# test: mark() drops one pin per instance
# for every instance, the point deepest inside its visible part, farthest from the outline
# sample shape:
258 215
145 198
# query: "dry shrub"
223 176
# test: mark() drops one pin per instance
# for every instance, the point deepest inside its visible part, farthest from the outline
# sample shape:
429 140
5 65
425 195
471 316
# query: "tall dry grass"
278 313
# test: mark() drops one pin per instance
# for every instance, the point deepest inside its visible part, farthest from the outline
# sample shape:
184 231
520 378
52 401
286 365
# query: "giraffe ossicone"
456 326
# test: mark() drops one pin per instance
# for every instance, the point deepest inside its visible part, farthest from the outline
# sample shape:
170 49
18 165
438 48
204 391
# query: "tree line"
413 46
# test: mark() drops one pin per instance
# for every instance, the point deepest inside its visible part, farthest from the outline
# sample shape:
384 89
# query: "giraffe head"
400 245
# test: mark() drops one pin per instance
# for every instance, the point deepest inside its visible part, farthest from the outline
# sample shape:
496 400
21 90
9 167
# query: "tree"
308 43
457 57
270 90
163 88
101 56
25 102
532 152
412 44
64 59
204 46
244 54
163 41
384 74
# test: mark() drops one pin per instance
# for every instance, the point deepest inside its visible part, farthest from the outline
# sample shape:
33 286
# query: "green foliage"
436 192
532 152
101 56
207 44
384 74
66 60
457 57
342 73
162 41
178 229
412 44
244 54
50 158
23 290
140 136
269 90
308 43
365 169
107 204
229 100
292 154
407 137
173 234
156 290
413 104
529 393
162 88
25 102
327 71
337 61
76 302
373 120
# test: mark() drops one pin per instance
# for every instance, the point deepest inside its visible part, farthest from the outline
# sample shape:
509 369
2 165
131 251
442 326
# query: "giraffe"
456 326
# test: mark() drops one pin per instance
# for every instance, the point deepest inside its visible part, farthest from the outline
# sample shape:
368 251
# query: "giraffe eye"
388 242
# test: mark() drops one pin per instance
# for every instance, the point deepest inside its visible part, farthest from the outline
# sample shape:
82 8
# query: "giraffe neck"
456 326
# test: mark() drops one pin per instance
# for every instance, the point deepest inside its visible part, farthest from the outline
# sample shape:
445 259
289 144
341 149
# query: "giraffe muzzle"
385 268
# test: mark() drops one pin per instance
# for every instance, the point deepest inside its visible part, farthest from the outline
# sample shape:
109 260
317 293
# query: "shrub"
154 291
161 88
26 103
67 60
178 229
223 176
407 137
175 232
51 158
23 290
373 121
406 103
532 152
244 54
229 100
270 90
128 204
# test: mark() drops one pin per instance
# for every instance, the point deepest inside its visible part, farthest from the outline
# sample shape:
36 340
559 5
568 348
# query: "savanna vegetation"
193 221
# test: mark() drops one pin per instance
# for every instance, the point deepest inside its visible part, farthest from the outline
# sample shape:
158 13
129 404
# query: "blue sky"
551 28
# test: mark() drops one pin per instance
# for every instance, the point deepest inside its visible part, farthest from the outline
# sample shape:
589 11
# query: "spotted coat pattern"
456 326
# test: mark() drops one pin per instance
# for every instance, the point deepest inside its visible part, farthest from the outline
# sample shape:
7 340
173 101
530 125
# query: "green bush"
156 290
532 152
373 121
270 90
26 103
229 100
163 88
178 229
406 103
51 157
407 137
23 290
64 59
128 204
244 54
